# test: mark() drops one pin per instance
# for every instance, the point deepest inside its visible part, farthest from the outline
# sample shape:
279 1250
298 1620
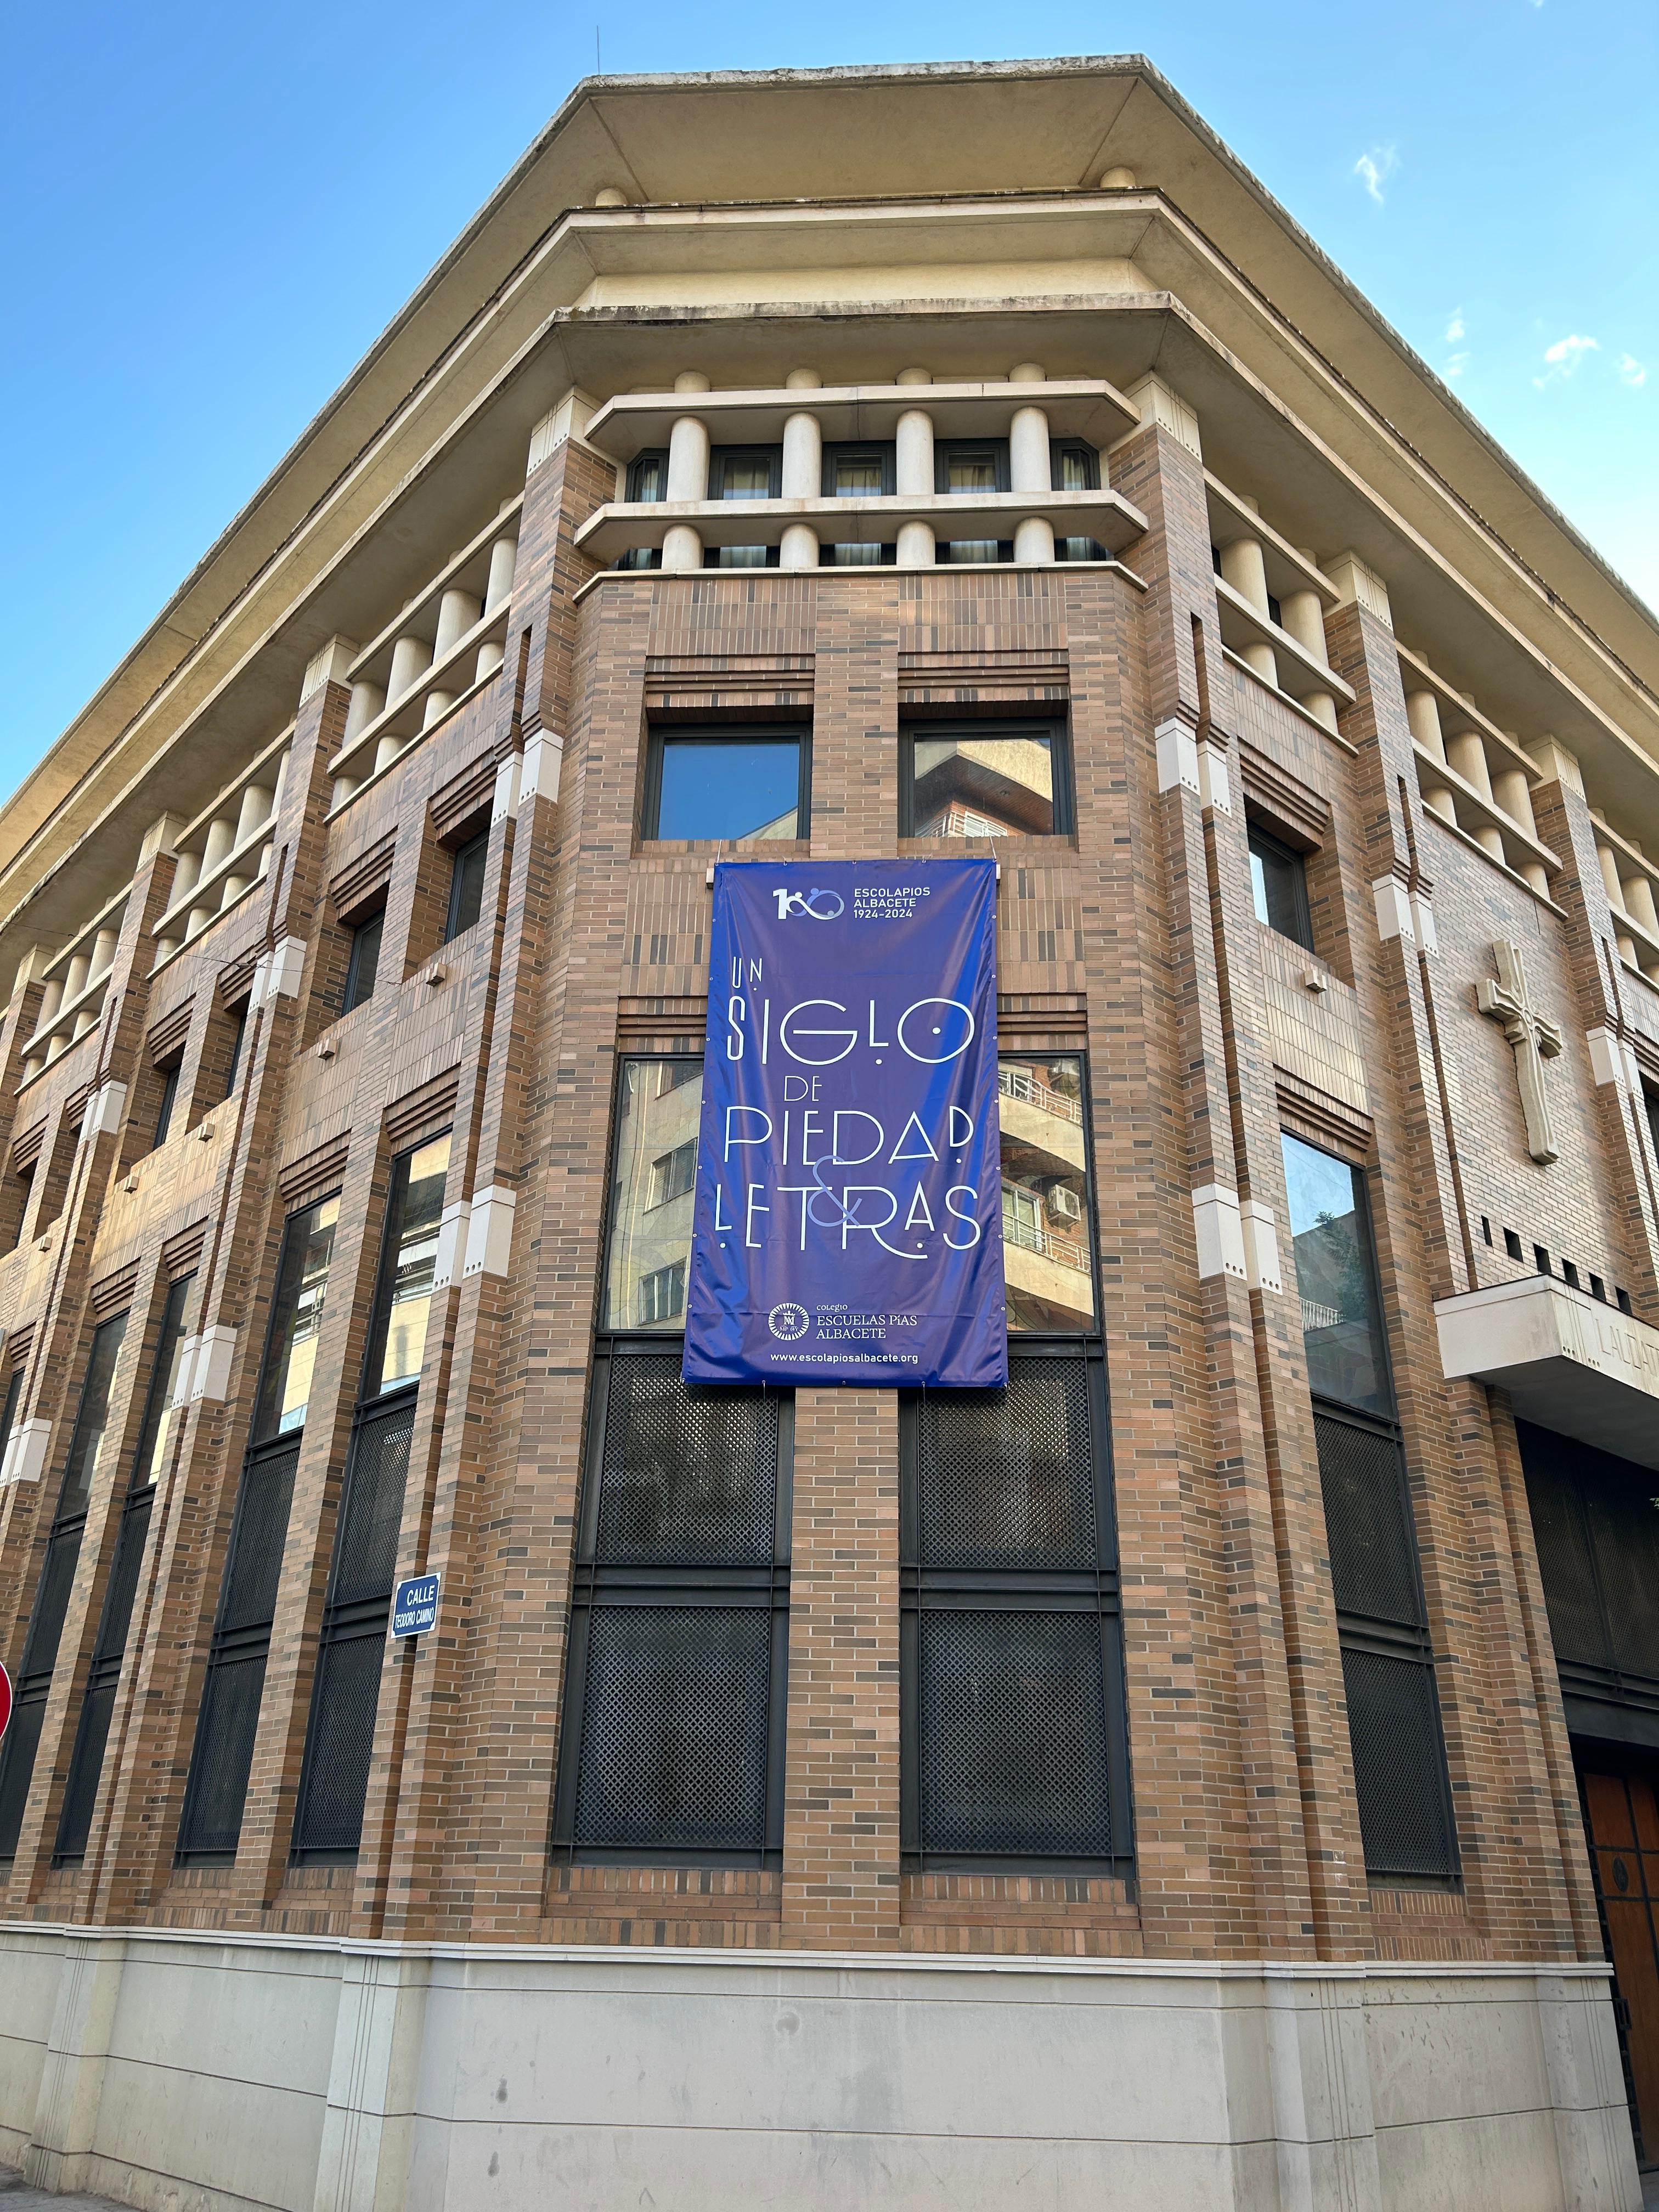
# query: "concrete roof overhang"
378 475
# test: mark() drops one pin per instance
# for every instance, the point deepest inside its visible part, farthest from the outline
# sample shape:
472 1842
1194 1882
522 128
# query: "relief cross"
1533 1040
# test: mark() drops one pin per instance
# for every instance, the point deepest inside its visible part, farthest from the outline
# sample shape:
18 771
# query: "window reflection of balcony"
1025 1083
1066 1251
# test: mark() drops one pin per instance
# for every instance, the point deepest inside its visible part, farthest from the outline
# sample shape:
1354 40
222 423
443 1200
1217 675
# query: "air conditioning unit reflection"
1064 1203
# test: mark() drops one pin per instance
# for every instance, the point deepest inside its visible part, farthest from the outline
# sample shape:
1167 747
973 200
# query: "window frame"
1090 458
720 458
239 1016
1258 832
169 1074
944 449
1056 729
352 996
658 735
650 457
884 453
458 856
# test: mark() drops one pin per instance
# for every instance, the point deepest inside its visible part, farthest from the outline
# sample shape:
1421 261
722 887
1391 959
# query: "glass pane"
466 887
982 787
740 556
1277 885
1045 1194
159 1409
970 473
858 476
964 552
854 556
1074 469
91 1416
651 1197
734 789
296 1319
365 959
650 477
1330 1232
411 1255
748 478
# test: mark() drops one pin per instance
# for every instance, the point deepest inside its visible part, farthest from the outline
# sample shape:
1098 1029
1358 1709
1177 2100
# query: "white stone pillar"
257 808
367 700
185 876
221 836
1512 793
103 950
386 751
913 469
1034 539
503 560
798 546
1029 469
411 658
681 548
1244 568
687 477
916 545
1302 615
75 980
457 612
50 999
436 705
491 657
803 457
1639 902
1423 713
1467 754
1439 800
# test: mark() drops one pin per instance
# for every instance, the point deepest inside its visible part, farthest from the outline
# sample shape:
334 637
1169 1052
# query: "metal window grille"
98 1707
672 1744
1597 1535
212 1823
1015 1744
57 1584
1394 1735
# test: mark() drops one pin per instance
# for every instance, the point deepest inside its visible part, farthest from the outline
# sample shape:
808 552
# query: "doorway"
1620 1793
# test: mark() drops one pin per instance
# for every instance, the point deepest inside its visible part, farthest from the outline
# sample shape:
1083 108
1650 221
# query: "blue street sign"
414 1605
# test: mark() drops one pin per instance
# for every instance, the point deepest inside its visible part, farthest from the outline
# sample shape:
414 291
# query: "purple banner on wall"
849 1217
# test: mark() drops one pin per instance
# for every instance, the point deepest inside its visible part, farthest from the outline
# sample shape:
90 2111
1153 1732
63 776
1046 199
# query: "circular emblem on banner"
788 1322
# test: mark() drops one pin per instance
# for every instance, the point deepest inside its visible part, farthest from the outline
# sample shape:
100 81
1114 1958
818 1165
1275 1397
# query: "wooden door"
1621 1814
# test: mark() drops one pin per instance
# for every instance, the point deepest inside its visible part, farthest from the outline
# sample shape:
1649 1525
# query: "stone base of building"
195 2072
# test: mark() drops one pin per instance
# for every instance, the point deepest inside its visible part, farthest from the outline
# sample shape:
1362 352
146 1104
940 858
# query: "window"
659 1106
1650 1100
729 787
672 1747
1047 1259
647 478
466 886
351 1648
857 556
741 556
1014 1737
1073 466
364 960
8 1409
984 780
859 471
56 1582
169 1075
238 1036
1278 884
211 1822
745 471
98 1702
20 1189
1388 1668
969 464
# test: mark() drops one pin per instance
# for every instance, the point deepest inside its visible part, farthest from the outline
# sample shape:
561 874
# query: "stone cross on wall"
1533 1039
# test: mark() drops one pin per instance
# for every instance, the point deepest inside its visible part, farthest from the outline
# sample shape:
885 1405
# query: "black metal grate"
686 1476
1561 1529
1367 1521
330 1815
1398 1764
56 1582
17 1753
212 1819
372 1508
116 1616
1006 1477
81 1794
258 1540
1013 1733
674 1726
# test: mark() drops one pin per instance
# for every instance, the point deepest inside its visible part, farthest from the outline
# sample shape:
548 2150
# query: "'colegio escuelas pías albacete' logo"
788 1320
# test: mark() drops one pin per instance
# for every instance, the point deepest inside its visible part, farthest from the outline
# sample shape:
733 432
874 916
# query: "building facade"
1218 1771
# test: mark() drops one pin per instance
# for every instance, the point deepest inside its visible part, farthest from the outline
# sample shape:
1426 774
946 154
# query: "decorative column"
803 473
1303 617
1029 469
1423 714
1243 567
687 477
913 461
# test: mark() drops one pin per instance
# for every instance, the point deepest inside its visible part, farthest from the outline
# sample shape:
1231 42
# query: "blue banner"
849 1215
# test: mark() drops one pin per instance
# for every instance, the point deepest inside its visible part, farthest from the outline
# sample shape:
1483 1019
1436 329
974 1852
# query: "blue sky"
212 211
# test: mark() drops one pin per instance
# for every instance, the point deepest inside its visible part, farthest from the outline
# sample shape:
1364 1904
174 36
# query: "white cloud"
1374 169
1456 327
1455 367
1563 357
1631 371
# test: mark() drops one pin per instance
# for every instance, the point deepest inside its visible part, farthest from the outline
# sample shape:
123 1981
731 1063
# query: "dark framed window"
169 1075
210 1825
56 1582
1073 465
985 780
363 963
239 1014
853 472
362 1570
466 878
1015 1748
1650 1100
974 552
1014 1742
18 1189
8 1407
856 555
970 465
673 1749
745 471
729 786
1278 884
1394 1733
741 556
653 1162
115 1618
648 478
